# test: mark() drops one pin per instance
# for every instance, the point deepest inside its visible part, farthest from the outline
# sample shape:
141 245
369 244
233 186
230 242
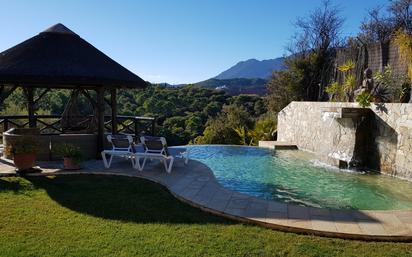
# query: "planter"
24 161
70 164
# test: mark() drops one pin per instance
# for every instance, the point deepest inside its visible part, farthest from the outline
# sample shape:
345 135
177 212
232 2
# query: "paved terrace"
196 185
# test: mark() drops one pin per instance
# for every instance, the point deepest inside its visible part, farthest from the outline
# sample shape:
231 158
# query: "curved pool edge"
196 185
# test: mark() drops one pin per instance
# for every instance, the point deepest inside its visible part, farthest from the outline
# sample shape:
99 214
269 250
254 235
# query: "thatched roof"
58 57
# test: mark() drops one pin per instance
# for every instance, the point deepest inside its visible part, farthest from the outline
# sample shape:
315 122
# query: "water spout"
330 116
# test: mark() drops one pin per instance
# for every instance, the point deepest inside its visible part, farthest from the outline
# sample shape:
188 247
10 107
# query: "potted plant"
72 156
24 151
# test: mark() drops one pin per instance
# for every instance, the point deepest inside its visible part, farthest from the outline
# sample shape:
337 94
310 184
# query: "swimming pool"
294 177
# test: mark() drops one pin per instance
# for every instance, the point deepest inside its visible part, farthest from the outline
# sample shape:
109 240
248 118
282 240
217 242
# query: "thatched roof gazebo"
57 58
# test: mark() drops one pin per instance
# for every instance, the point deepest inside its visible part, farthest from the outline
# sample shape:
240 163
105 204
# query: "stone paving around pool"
196 185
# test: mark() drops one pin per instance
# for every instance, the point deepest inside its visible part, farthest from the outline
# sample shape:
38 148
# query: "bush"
364 99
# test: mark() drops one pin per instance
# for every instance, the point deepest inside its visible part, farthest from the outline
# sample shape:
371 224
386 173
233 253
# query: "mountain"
236 86
253 68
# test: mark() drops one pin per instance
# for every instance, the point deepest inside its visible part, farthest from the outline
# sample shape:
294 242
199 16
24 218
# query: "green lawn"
118 216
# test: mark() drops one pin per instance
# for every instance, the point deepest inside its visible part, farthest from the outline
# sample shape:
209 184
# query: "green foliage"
364 99
404 42
342 92
286 86
336 91
382 93
243 135
70 151
181 112
391 82
264 129
347 66
229 127
241 122
349 84
218 132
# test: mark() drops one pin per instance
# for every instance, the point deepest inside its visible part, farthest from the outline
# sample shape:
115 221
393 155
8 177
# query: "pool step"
278 145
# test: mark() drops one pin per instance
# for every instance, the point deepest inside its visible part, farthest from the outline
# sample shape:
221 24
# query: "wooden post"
31 107
136 129
100 120
153 126
113 103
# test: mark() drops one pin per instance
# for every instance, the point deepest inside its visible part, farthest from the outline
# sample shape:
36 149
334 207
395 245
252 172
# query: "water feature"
294 177
348 147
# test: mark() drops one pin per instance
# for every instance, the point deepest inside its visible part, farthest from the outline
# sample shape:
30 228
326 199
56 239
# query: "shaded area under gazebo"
57 58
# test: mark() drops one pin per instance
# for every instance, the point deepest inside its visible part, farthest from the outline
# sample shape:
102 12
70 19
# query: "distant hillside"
253 68
236 86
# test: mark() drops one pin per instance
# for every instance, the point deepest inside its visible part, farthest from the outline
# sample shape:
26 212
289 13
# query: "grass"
118 216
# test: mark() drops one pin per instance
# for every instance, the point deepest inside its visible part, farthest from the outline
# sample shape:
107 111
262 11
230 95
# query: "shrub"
364 99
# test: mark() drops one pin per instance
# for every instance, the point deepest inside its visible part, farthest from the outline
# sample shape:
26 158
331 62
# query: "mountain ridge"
253 68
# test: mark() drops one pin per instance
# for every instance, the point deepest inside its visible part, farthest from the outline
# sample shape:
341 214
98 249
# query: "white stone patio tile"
278 218
348 227
391 223
323 223
370 228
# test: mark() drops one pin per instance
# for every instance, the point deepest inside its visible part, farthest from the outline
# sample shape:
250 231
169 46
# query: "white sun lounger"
122 146
156 148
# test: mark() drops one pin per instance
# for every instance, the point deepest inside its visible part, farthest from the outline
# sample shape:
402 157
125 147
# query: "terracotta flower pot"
70 164
24 161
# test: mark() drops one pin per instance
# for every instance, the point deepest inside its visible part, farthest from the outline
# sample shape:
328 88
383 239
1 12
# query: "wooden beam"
113 105
100 120
31 107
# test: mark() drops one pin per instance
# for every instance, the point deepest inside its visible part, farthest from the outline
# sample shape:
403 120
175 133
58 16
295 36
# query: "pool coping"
196 185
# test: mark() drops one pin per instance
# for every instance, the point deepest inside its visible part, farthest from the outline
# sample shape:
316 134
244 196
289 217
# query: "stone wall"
389 128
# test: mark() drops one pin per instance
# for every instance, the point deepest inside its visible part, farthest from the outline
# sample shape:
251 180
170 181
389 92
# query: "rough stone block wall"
304 124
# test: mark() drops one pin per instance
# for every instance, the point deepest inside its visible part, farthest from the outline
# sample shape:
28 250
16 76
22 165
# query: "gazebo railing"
51 124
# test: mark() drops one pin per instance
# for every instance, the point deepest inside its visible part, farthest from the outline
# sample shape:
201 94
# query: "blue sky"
175 41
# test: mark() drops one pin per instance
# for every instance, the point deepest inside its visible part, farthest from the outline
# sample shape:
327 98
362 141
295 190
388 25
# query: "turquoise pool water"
294 177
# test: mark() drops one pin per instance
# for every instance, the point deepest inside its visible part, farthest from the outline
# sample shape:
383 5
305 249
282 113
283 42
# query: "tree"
310 65
318 37
224 129
376 27
401 15
217 131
